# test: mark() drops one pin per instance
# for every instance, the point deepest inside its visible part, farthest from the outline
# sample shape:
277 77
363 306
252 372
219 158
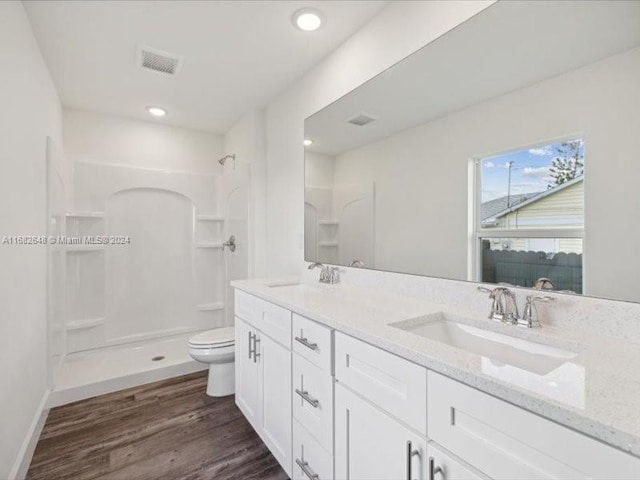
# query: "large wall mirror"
506 151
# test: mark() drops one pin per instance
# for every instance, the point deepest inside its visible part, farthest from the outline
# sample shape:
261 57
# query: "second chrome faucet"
330 275
504 307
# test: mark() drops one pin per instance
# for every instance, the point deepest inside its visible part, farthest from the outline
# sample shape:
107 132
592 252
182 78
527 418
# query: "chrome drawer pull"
305 341
305 396
304 466
255 348
410 453
250 347
433 470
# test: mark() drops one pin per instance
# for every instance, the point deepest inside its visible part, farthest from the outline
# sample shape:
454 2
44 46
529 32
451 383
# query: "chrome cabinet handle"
304 466
256 340
433 469
305 396
250 347
410 453
305 341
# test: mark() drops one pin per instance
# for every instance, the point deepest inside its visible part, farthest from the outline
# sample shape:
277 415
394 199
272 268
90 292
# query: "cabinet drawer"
308 453
507 442
313 400
312 341
271 319
394 384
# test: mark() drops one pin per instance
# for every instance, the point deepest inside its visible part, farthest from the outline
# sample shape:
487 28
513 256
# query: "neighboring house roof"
493 207
491 210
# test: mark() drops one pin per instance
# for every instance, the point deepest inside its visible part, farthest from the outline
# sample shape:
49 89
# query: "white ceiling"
237 55
506 47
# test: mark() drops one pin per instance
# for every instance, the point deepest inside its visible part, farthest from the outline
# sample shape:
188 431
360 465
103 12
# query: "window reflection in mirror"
530 222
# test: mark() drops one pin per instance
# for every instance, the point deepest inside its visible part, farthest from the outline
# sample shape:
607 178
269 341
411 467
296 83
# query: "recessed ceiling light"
307 142
157 111
307 19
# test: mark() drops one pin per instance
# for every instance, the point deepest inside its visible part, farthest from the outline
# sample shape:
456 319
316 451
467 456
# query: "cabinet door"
247 374
443 466
275 383
371 445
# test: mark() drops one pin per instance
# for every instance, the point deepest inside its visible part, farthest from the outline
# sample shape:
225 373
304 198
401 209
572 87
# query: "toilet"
216 348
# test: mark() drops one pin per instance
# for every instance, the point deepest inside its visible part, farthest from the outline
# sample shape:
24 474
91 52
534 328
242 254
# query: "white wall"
98 138
319 170
30 112
421 174
247 140
399 30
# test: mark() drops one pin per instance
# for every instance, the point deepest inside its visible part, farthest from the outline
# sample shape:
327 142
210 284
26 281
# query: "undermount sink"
532 356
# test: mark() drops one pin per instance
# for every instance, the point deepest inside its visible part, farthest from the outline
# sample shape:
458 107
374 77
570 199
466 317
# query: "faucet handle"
485 290
535 298
530 317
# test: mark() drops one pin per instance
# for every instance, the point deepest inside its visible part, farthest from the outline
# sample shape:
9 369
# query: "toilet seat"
216 338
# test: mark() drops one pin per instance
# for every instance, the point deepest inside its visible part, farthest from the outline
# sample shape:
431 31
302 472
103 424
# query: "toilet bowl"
216 348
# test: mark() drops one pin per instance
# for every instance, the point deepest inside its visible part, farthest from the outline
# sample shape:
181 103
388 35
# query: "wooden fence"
524 268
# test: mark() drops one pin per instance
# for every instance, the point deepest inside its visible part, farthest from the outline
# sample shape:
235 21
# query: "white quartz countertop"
596 393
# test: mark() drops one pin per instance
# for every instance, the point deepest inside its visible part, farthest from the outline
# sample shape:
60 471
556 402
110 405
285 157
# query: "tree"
568 162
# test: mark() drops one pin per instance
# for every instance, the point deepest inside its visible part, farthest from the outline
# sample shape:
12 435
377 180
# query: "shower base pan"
96 372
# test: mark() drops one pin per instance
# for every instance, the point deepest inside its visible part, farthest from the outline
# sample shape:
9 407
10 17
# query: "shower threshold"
104 370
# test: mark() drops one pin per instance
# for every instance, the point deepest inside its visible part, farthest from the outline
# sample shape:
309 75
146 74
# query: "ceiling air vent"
361 120
158 61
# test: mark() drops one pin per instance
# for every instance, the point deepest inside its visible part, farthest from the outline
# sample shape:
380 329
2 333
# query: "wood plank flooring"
164 430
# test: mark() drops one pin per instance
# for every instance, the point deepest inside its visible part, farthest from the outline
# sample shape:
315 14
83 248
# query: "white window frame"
477 232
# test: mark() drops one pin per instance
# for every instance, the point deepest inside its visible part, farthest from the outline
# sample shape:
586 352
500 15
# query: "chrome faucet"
329 275
504 307
357 264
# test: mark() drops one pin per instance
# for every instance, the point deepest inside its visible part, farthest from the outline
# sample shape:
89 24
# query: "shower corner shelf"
209 307
328 223
209 245
84 248
209 218
85 323
85 215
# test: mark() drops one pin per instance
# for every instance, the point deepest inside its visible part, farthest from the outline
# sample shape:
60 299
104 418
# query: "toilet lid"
219 337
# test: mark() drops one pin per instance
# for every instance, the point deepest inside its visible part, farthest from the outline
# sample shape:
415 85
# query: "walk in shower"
145 267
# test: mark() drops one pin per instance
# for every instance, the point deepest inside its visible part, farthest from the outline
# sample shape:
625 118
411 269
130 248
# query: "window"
529 219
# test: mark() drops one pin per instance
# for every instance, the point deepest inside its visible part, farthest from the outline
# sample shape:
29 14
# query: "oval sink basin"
528 355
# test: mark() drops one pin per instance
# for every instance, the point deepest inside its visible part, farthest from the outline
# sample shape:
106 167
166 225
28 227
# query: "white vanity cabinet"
380 412
372 445
263 372
510 443
332 407
247 373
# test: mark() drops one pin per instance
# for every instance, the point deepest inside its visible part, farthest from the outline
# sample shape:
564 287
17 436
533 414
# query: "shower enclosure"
145 266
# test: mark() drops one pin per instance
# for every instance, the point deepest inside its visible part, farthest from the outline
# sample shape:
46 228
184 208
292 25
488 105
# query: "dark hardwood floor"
165 430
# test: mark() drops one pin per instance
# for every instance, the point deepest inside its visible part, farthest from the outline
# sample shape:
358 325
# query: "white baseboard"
21 466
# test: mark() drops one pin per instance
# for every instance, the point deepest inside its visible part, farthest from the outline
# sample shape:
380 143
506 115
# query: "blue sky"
530 172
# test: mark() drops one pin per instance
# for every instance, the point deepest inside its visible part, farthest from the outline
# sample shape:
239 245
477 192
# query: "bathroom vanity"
345 382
